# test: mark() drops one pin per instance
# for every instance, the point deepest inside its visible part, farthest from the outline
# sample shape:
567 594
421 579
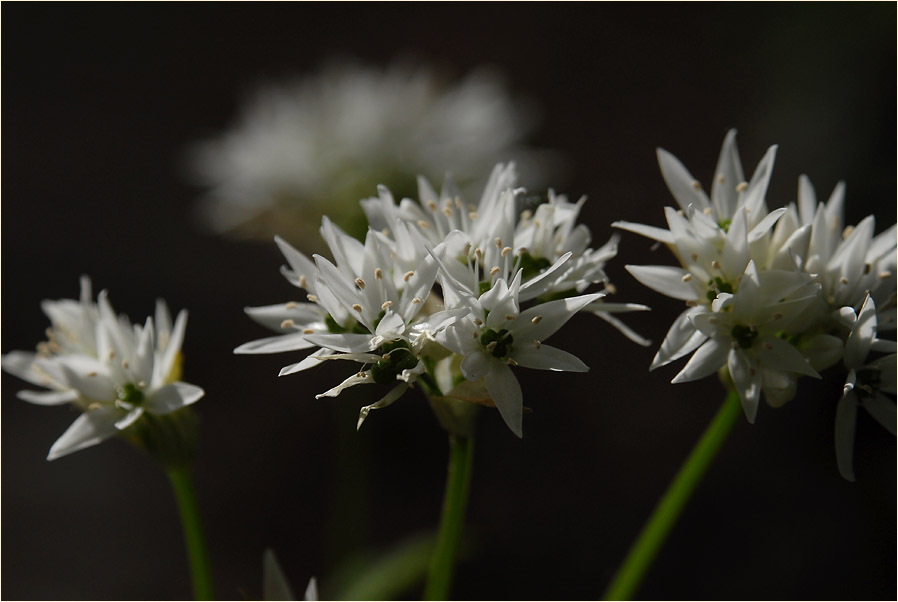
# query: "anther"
707 211
447 211
125 364
694 257
432 205
142 384
537 344
91 374
720 178
883 275
95 406
378 273
291 305
423 224
467 249
458 203
847 231
511 362
472 215
509 316
686 277
491 345
478 321
308 331
505 251
357 307
408 275
302 281
843 280
416 300
526 214
312 298
696 184
386 304
360 283
741 186
536 319
288 323
494 270
111 353
867 268
715 264
498 243
479 253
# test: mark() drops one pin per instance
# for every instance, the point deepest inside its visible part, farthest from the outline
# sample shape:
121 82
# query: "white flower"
866 383
275 585
496 334
319 144
110 369
748 331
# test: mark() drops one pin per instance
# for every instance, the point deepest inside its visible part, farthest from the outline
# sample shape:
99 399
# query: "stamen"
720 178
843 280
302 281
416 300
357 307
537 344
512 362
408 275
498 243
360 283
479 253
867 268
686 277
715 264
432 205
94 406
696 184
467 249
884 274
312 298
472 215
447 211
378 273
694 256
741 186
111 353
386 304
91 374
505 251
536 320
847 231
291 305
142 384
707 211
288 324
526 214
478 321
458 203
494 270
308 331
125 364
491 345
423 224
509 316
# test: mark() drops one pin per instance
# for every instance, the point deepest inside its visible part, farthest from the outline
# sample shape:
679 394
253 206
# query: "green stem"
439 578
669 507
182 483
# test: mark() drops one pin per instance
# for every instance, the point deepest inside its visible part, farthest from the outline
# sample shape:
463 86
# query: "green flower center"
130 393
497 343
744 335
532 266
718 285
397 356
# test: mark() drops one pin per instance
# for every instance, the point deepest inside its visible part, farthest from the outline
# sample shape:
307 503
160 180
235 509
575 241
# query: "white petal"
623 328
285 342
727 177
861 336
173 345
659 234
748 385
882 409
545 357
355 379
886 367
846 418
98 386
506 393
173 396
778 354
21 364
706 360
311 590
765 224
680 182
549 317
682 338
47 398
475 365
394 394
88 429
823 351
311 360
345 342
130 418
667 280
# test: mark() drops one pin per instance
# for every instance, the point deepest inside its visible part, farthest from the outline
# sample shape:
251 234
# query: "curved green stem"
442 565
182 483
669 507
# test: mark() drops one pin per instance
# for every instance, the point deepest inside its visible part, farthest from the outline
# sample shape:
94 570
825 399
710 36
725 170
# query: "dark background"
99 104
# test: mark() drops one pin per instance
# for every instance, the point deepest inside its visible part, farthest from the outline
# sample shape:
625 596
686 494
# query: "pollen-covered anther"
498 243
91 374
721 178
416 300
386 304
423 224
408 275
288 323
125 364
111 354
302 281
686 277
49 332
694 256
491 345
509 316
479 253
472 215
691 303
526 214
610 288
884 275
715 264
494 270
291 305
505 251
447 211
680 212
696 184
707 211
458 203
432 205
467 249
536 320
843 280
741 186
537 344
94 406
511 362
478 321
360 283
357 307
847 231
312 298
308 331
142 384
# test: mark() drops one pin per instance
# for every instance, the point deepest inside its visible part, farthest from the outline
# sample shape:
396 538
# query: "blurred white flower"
319 144
275 585
113 371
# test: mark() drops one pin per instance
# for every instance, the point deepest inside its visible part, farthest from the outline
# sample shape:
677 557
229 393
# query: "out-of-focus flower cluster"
445 294
121 376
316 145
775 295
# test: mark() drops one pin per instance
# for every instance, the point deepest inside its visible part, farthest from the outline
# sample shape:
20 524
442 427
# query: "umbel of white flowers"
115 372
305 147
450 295
775 295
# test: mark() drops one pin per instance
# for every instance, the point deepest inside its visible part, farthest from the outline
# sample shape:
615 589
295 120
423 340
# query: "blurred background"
103 104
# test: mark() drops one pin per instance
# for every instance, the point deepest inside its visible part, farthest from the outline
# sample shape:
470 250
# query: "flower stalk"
442 566
185 494
670 506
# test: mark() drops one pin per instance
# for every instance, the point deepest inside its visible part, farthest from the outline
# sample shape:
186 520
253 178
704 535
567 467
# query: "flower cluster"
444 293
316 145
775 295
115 372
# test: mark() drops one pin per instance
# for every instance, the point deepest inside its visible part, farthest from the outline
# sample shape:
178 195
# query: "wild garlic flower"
436 294
110 369
770 295
316 145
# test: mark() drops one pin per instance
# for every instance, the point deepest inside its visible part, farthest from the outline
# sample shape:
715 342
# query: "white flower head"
112 370
314 145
